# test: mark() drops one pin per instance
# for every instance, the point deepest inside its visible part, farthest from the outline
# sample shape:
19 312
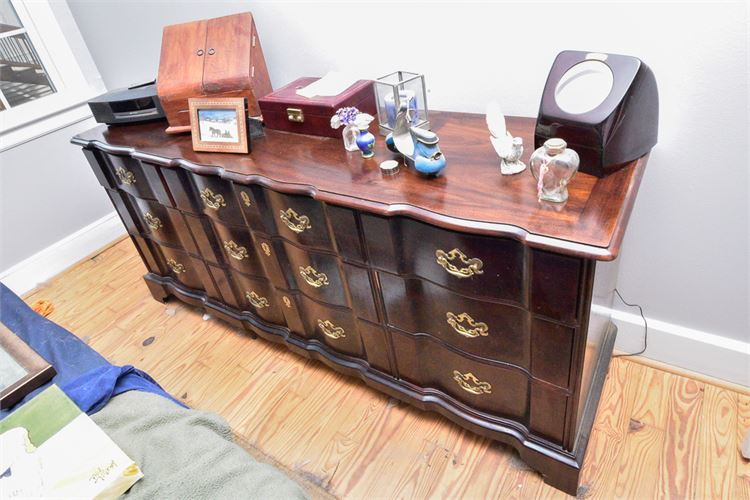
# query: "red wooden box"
287 111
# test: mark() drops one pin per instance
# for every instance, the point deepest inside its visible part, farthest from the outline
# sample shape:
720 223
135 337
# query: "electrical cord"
645 331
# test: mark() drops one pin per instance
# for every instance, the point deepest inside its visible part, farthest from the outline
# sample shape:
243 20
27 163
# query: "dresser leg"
157 291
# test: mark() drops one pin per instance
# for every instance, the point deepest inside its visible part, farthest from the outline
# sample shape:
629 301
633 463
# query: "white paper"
333 83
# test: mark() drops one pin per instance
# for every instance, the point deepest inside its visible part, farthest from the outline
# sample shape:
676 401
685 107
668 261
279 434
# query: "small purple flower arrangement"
344 116
355 124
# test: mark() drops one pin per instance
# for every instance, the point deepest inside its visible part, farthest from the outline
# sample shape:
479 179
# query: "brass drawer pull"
234 250
470 383
476 328
214 201
293 221
287 302
245 198
331 330
256 300
176 267
125 176
313 277
153 222
445 259
266 248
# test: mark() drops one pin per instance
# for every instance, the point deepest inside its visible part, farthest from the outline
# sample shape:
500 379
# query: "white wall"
685 256
47 191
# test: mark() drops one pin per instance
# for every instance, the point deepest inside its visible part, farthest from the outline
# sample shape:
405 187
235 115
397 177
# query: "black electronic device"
138 103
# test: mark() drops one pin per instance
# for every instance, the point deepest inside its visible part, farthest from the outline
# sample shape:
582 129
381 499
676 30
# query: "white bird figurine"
508 148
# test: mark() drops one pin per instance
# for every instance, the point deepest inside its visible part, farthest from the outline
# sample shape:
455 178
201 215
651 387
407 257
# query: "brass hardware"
234 250
473 266
470 383
266 248
477 328
215 201
153 222
287 302
313 277
296 223
256 300
125 176
295 115
176 267
245 198
331 330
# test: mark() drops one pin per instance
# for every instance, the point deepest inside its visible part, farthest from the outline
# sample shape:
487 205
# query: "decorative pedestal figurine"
508 148
553 166
418 146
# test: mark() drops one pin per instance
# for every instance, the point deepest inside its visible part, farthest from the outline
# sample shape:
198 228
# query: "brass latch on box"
295 115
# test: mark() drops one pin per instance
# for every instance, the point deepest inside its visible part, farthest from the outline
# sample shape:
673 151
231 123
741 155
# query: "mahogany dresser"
461 294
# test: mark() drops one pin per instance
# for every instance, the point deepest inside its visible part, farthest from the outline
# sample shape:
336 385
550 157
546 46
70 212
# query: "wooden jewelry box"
219 57
287 111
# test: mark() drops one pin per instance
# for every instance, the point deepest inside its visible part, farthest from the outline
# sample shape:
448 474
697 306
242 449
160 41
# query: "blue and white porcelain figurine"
365 139
419 147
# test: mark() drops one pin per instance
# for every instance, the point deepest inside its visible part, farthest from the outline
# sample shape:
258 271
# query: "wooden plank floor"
657 434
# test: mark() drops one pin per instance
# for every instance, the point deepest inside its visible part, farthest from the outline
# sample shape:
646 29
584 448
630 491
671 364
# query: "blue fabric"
82 373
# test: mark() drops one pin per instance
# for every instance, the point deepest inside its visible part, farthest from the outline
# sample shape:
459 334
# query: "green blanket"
187 453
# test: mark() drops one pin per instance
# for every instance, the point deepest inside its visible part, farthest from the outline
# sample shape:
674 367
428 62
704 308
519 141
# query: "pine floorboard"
656 435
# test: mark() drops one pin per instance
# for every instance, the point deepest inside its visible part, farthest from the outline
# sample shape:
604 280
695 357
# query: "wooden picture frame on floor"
23 369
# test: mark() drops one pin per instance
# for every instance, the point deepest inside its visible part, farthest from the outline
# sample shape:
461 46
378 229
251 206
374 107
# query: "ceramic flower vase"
365 143
365 140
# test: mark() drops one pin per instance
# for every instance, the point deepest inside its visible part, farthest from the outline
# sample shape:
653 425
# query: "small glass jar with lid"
553 166
397 89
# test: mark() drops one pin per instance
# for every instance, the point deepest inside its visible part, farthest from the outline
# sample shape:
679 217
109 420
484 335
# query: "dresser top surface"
471 195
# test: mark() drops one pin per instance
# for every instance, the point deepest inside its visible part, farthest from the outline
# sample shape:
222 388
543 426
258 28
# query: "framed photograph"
21 369
219 124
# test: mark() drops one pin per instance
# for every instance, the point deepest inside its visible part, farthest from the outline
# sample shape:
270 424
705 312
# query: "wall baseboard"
702 352
56 258
694 350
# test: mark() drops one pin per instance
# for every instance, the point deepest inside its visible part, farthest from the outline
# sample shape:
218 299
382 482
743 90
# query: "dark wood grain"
471 195
305 244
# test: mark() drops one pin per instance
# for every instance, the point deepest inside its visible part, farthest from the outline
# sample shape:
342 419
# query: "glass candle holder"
401 88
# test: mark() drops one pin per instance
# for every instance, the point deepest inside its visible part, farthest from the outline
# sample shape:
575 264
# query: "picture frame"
23 369
219 124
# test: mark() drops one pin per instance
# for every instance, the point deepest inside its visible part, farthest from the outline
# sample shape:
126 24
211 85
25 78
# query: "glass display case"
401 88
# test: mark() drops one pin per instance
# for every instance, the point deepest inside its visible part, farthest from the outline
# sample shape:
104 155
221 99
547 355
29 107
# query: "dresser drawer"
190 271
486 387
254 207
163 224
333 326
299 219
135 177
486 329
238 248
316 274
258 296
476 265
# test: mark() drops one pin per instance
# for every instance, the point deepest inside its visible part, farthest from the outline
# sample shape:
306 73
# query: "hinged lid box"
218 57
287 111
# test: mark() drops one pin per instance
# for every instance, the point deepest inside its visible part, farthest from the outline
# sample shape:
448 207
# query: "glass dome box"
401 88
